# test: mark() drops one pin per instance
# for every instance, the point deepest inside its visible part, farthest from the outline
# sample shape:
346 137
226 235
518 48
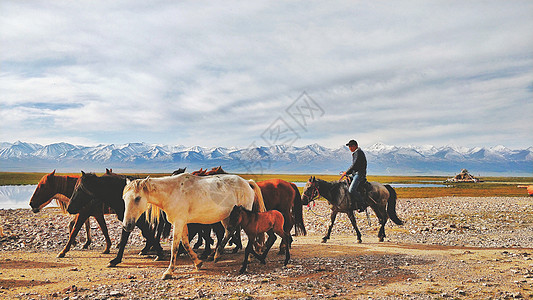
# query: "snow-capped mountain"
382 159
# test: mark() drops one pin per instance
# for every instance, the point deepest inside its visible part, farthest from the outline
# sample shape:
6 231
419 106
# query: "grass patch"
492 187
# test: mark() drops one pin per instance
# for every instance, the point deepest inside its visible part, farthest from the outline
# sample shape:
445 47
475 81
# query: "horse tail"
391 205
259 204
297 212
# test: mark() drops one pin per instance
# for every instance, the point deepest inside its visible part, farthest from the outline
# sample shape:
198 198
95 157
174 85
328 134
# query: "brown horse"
284 197
255 223
60 188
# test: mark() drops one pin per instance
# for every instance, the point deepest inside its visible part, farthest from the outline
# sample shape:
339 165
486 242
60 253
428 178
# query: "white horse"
187 198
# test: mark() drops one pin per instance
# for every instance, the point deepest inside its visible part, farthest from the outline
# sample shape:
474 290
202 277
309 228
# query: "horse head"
310 191
44 192
135 197
179 171
235 218
83 193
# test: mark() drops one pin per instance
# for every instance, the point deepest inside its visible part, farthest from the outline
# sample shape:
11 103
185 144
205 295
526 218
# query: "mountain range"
311 159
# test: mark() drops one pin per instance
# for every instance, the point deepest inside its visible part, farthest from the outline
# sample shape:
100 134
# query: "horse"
93 191
190 199
161 227
60 188
202 230
284 197
382 201
255 223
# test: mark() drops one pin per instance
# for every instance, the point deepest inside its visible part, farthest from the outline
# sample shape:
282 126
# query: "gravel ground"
489 258
449 221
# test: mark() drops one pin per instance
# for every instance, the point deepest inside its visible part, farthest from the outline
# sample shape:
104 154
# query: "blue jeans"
357 179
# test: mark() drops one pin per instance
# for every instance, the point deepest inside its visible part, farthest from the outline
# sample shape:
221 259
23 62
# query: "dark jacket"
358 162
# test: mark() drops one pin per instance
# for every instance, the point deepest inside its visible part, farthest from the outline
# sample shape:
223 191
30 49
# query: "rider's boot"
354 200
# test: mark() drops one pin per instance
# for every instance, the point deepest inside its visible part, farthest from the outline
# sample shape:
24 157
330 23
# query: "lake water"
16 196
396 185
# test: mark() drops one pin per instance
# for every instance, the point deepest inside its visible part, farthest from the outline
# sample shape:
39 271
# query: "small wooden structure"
528 187
464 176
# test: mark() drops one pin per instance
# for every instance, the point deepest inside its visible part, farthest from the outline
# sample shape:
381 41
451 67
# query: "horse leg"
284 237
236 239
149 234
180 235
206 234
271 239
381 234
121 246
80 219
333 216
351 216
287 253
70 225
219 230
383 218
88 232
101 221
249 249
220 247
287 227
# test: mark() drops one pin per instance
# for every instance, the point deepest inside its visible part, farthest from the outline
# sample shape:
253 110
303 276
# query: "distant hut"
528 187
464 176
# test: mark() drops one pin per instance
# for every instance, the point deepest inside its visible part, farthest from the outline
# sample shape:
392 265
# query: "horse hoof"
324 240
199 265
359 241
105 251
159 258
61 255
85 247
381 240
112 265
235 250
166 276
143 253
242 271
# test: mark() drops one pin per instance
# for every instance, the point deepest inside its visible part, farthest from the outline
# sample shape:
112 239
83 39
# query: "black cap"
352 143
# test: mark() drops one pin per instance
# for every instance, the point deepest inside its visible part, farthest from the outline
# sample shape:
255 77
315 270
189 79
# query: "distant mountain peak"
313 158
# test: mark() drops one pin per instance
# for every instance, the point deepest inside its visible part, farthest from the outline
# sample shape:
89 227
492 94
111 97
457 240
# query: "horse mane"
62 188
153 212
62 201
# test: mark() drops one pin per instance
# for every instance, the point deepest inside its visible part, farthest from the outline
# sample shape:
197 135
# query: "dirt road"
401 268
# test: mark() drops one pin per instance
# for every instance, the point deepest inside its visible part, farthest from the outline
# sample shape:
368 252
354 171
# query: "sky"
244 73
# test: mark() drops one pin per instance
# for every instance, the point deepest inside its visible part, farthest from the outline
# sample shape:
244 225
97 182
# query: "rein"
314 196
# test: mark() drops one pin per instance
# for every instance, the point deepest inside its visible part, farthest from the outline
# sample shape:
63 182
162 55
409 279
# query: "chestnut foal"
255 223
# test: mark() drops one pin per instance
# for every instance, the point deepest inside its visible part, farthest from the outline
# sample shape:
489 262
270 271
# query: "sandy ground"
400 268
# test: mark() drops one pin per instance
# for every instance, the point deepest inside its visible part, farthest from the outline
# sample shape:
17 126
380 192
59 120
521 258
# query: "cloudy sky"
249 72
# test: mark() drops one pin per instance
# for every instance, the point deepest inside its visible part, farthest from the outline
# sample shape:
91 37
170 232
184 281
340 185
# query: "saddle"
363 202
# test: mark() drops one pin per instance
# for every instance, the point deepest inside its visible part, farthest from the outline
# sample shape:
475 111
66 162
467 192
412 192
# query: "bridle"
315 194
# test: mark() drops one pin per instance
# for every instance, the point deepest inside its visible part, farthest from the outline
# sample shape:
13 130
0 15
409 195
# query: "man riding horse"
357 172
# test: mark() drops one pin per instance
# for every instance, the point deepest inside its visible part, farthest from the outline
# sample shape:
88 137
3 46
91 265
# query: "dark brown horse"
382 200
60 188
256 223
93 191
284 197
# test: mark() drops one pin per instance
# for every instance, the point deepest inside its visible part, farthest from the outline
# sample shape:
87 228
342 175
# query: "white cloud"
220 73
